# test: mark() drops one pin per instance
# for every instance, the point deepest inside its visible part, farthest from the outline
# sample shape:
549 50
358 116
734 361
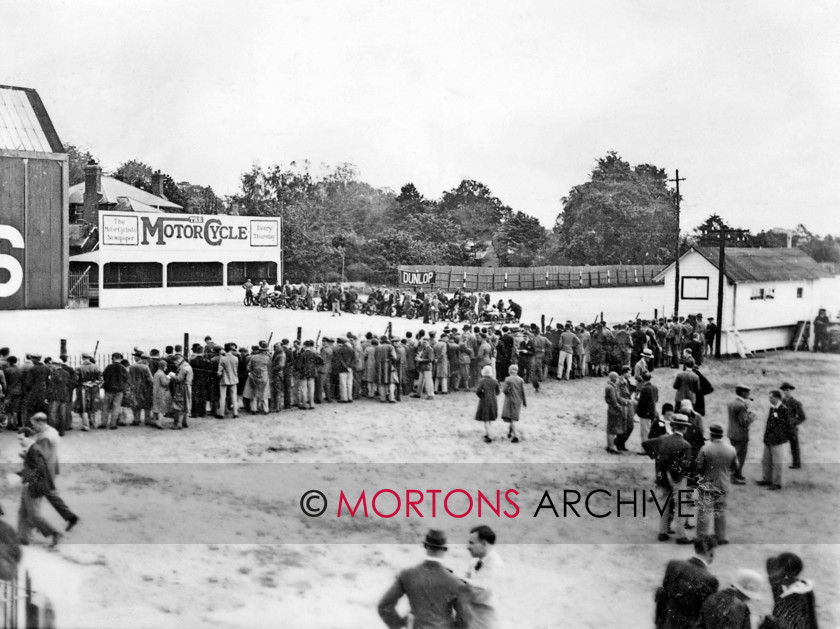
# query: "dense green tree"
519 241
622 215
479 214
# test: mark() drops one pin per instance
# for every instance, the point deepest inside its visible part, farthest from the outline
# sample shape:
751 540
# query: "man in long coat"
141 384
441 365
385 357
258 386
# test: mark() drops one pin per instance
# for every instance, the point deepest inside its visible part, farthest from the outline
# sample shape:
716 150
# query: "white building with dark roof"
767 292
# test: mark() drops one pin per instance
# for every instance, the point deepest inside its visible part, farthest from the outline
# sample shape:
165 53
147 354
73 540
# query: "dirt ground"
203 528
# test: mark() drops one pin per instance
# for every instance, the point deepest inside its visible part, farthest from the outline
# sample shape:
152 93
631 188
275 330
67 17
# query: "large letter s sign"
7 232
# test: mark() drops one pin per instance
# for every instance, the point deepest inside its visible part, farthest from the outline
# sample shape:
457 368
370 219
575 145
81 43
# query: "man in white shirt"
483 577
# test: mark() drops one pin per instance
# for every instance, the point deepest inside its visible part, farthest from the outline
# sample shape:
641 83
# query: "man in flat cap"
114 381
438 599
90 379
796 415
35 380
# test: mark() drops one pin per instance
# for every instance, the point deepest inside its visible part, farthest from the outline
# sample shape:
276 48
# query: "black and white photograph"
436 315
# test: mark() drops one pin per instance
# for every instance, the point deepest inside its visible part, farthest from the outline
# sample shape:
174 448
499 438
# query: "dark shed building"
33 204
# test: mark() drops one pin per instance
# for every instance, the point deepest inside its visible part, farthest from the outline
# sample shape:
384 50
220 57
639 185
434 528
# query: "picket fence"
450 278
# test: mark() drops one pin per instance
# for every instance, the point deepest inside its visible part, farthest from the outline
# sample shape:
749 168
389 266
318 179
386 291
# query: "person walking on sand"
37 483
514 390
488 409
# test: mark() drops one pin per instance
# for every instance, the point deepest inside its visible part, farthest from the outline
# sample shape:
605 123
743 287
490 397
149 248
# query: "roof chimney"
93 192
157 185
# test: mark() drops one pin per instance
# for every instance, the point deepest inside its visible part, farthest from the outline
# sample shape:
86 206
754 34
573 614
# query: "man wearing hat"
648 403
59 394
182 383
796 415
258 386
228 373
673 462
738 430
90 379
437 598
114 381
201 381
642 366
716 462
35 380
728 608
141 384
344 359
776 433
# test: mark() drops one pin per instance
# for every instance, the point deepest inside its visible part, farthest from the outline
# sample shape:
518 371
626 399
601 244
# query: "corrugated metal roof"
763 265
113 189
773 264
24 123
124 204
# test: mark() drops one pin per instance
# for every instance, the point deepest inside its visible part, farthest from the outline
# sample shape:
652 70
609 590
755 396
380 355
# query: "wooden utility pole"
722 233
677 181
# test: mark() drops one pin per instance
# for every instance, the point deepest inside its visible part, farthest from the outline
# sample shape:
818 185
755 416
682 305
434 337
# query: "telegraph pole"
677 181
723 233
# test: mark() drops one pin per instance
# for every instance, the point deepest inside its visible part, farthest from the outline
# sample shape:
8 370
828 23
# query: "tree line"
334 221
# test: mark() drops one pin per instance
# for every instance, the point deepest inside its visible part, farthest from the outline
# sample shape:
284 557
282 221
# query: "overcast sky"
742 97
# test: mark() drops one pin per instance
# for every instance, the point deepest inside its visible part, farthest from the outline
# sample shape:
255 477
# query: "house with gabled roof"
767 293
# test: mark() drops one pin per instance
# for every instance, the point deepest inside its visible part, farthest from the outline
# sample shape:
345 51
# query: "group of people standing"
689 596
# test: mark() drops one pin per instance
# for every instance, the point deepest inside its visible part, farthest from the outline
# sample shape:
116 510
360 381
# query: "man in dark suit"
776 434
687 585
438 599
796 415
673 461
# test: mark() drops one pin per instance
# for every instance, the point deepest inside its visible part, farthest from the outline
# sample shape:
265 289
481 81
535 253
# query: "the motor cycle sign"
187 232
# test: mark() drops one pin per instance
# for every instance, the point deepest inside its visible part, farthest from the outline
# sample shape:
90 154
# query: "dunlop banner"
417 278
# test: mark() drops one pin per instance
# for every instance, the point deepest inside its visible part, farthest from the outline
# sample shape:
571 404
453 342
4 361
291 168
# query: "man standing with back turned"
438 599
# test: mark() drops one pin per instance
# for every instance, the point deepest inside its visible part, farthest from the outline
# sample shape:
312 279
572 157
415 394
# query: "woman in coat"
488 409
616 414
514 390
